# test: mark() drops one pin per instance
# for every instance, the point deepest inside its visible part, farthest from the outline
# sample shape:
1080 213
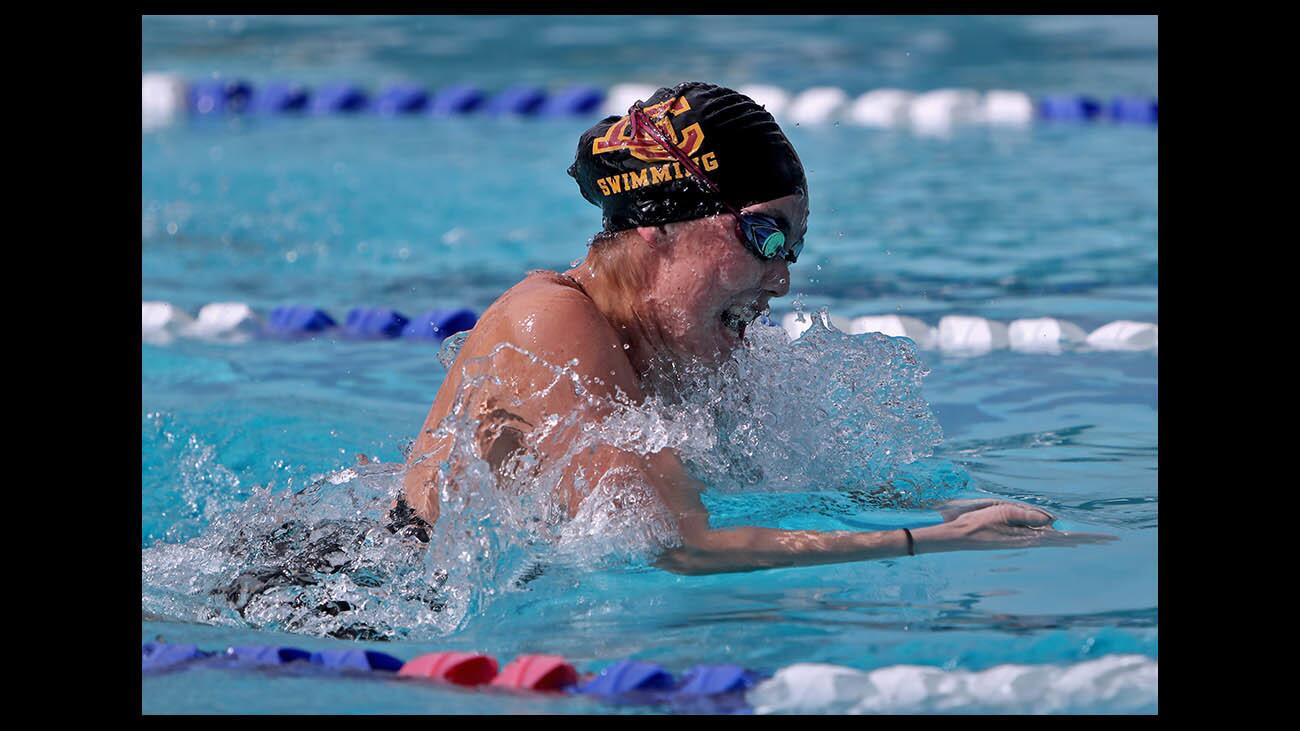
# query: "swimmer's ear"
656 236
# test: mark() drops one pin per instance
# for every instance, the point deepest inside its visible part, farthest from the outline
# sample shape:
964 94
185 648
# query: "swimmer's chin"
725 342
716 348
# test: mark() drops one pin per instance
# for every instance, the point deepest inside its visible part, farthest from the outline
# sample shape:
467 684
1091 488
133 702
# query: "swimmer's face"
710 287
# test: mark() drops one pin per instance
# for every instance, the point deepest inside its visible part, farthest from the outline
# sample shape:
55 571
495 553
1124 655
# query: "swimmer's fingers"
953 509
1051 537
1017 513
1013 525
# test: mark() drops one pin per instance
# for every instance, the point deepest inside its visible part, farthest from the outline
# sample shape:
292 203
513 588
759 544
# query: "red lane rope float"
537 672
459 668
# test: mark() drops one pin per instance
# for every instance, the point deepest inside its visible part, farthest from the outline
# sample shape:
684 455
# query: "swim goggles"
763 235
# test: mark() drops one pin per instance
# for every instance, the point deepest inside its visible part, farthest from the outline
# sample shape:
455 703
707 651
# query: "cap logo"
644 147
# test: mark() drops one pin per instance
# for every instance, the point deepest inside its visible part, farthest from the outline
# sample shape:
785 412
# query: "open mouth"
738 317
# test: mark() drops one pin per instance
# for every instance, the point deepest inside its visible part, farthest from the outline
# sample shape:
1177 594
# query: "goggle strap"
638 114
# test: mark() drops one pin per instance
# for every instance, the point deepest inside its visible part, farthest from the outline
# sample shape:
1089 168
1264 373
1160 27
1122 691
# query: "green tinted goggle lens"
765 237
773 244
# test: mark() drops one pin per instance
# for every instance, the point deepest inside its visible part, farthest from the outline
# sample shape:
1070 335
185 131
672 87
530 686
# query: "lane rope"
958 335
1116 683
167 98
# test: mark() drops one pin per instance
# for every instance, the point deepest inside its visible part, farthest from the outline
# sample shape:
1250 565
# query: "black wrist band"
911 545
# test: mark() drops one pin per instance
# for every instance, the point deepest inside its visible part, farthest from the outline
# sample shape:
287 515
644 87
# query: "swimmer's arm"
968 525
710 551
753 549
704 550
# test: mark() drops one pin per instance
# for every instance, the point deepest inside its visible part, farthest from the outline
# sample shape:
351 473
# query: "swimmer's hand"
992 525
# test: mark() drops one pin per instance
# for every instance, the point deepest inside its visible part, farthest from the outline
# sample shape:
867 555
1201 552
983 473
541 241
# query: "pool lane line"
958 335
167 98
1116 682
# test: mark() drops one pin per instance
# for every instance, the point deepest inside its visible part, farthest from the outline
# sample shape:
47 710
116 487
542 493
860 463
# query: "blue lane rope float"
296 320
267 655
456 100
402 99
363 660
1134 109
156 656
375 322
520 100
339 98
440 324
205 97
1069 108
628 681
165 96
219 97
715 689
279 97
715 679
575 100
238 95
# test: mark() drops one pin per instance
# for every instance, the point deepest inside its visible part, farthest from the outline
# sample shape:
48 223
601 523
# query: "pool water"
413 214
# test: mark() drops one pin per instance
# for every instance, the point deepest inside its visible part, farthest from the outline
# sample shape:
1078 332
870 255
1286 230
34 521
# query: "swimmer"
705 207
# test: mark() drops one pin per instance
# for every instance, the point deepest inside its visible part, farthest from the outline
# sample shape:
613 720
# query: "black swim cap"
728 135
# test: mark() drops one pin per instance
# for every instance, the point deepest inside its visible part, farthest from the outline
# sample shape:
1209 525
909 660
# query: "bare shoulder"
559 323
545 300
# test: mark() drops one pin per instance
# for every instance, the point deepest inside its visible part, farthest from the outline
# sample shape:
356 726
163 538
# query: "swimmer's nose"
776 278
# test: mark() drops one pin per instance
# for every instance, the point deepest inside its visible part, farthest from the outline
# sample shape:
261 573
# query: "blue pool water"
1052 220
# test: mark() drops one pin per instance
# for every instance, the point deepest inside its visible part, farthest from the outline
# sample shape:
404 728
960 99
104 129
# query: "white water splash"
830 411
